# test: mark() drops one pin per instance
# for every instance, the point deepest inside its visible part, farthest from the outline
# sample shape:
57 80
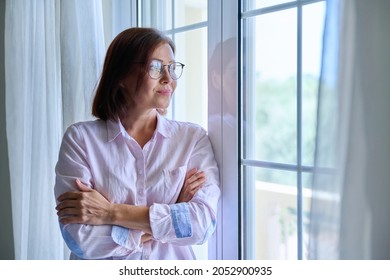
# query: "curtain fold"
82 53
351 189
40 97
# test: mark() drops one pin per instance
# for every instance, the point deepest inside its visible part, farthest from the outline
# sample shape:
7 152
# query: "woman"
133 184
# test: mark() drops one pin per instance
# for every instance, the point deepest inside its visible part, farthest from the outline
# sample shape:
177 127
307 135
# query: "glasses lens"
155 69
175 70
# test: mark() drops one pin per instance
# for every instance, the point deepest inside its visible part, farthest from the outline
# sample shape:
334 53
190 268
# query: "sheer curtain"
351 190
53 55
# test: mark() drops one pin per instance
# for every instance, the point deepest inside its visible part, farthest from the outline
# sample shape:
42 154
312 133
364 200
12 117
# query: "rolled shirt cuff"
169 222
127 238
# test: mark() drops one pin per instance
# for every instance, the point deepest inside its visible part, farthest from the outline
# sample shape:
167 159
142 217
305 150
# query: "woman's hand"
146 237
87 206
193 182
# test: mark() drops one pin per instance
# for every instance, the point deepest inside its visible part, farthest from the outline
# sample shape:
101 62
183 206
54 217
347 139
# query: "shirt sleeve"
88 241
192 222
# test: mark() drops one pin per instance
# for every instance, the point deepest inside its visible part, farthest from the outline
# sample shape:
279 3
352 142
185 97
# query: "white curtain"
351 192
53 55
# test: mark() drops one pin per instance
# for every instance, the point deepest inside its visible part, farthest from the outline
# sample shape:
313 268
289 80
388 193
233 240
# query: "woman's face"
155 93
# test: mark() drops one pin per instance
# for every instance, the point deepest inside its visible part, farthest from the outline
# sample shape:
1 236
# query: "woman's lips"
164 92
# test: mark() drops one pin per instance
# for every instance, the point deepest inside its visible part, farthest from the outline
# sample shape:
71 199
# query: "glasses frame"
170 71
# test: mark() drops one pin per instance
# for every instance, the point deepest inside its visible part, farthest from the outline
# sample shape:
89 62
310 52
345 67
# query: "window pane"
190 12
257 4
271 214
190 100
156 13
270 90
312 29
307 183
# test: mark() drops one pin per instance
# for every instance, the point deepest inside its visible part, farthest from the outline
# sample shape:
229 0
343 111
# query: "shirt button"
139 171
146 257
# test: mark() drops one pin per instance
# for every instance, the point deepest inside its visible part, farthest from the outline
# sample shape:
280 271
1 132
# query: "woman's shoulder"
86 127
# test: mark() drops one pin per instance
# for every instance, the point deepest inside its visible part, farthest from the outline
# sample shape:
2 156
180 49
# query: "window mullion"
299 132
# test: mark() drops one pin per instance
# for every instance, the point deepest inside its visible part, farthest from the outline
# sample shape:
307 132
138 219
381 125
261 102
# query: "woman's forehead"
164 53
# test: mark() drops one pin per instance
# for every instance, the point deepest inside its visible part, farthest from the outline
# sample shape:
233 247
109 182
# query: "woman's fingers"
68 196
82 187
193 182
197 176
75 194
85 206
68 212
73 219
146 237
67 204
191 172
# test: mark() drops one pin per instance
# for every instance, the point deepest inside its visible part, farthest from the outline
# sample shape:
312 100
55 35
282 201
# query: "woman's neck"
141 126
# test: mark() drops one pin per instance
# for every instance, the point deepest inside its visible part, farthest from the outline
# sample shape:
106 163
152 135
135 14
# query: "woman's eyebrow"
162 61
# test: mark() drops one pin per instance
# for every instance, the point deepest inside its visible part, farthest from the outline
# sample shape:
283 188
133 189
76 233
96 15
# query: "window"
281 55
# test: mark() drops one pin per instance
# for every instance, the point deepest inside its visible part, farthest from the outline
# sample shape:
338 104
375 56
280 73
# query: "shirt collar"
115 127
163 126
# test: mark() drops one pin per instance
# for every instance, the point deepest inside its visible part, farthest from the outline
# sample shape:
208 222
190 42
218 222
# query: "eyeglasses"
156 69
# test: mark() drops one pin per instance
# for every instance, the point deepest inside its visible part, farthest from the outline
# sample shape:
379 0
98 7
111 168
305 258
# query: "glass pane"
307 183
157 14
258 4
190 12
270 56
270 214
190 100
312 30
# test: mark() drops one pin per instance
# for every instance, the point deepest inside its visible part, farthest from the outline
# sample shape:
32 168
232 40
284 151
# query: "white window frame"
224 24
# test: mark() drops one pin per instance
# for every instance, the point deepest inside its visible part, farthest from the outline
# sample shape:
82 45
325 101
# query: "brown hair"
128 54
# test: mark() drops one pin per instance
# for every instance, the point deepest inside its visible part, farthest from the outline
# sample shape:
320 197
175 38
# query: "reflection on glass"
271 116
222 84
190 12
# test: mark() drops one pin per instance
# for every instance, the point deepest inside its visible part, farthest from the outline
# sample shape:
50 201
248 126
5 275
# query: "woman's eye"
155 66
